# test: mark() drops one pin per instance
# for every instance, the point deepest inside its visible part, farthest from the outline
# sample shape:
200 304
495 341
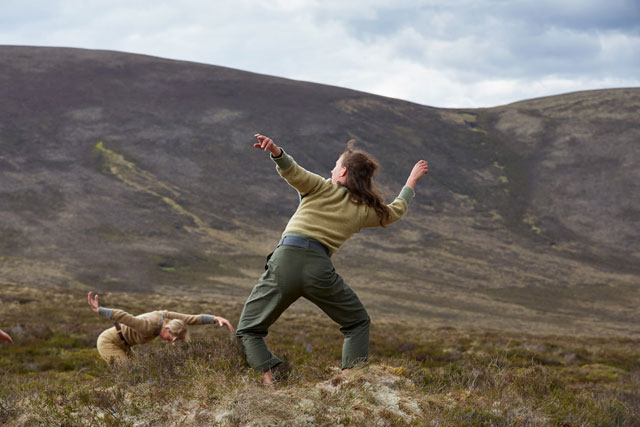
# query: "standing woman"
114 344
330 211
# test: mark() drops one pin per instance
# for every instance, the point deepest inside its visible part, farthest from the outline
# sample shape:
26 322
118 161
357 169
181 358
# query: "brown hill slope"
127 172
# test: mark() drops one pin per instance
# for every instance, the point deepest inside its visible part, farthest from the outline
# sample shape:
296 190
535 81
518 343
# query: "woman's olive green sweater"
326 212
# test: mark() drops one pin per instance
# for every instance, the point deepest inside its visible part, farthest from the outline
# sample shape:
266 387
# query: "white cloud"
449 54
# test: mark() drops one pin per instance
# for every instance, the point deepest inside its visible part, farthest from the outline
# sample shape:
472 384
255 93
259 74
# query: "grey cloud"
515 39
583 15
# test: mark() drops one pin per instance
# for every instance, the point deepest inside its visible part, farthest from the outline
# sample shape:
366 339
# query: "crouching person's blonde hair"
178 329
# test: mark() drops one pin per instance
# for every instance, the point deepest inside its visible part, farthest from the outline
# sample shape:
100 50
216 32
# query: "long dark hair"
361 167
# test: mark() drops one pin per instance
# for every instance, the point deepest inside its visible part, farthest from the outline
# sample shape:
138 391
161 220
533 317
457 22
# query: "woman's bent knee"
357 327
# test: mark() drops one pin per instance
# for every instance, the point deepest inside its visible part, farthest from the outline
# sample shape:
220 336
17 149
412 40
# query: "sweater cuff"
407 194
105 312
283 160
207 318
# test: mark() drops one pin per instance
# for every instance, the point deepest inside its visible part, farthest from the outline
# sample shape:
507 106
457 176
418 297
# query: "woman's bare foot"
267 378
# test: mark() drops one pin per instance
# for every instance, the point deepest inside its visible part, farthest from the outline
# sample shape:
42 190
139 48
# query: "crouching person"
114 344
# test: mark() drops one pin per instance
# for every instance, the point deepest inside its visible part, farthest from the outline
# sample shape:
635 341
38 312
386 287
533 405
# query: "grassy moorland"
417 375
508 295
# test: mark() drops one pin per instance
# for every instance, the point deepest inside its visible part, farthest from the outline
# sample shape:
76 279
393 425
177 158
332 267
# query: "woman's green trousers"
291 273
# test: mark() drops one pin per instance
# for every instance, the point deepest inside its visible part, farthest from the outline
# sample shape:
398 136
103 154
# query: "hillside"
123 172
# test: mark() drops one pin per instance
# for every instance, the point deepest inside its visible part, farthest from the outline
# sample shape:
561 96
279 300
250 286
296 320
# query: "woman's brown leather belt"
120 334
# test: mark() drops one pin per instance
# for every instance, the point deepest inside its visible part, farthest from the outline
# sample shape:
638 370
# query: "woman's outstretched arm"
400 205
118 315
303 181
199 319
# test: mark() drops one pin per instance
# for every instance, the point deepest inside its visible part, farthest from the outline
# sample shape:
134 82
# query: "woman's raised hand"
265 143
419 170
93 302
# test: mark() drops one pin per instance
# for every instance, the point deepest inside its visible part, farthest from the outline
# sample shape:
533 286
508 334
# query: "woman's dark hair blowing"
361 167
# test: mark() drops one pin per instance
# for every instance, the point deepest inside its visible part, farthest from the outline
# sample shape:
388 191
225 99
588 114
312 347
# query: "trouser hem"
269 364
353 363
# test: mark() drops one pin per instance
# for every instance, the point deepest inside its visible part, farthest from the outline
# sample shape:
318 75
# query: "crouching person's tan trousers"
111 348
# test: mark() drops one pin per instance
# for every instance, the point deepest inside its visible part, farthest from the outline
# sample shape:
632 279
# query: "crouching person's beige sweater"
137 330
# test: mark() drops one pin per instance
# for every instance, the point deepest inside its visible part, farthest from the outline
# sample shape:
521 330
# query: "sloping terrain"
131 173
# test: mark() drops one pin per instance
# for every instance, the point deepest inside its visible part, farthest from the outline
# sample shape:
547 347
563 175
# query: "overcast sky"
445 53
